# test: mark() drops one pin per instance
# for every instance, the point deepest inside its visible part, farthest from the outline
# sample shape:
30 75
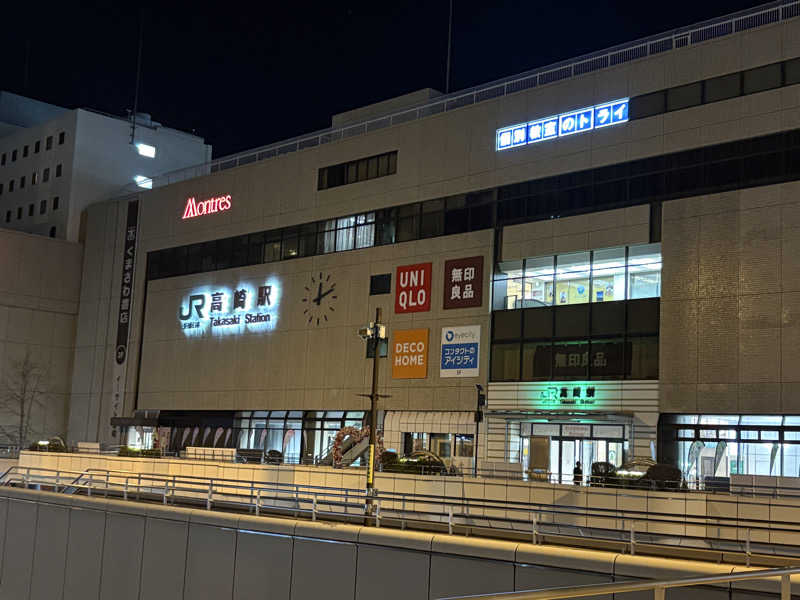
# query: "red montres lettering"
206 207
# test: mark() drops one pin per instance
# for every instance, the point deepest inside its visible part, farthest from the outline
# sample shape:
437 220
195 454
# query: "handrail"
659 587
682 37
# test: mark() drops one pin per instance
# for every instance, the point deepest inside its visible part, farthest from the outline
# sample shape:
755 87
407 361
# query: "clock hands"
320 295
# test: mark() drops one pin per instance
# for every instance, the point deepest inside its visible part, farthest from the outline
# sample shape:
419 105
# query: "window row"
37 147
609 319
579 277
758 161
32 209
377 228
612 358
741 83
764 160
34 178
354 171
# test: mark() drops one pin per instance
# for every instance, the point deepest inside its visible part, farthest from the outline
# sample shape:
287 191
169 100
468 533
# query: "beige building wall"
39 288
730 302
300 365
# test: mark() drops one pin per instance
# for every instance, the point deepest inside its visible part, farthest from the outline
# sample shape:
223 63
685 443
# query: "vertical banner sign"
410 354
413 288
125 306
463 282
460 351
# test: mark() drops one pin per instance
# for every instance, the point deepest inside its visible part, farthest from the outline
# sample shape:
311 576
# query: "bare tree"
23 389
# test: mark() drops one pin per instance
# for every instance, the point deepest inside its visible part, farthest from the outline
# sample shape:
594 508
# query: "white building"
54 161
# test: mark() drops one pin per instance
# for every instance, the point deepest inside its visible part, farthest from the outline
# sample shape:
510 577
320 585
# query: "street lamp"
374 332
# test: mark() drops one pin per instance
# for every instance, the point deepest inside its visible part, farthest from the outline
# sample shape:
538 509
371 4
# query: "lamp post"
373 332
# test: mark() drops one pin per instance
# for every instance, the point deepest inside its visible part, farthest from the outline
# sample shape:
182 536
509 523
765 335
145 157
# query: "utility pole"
373 333
478 419
449 46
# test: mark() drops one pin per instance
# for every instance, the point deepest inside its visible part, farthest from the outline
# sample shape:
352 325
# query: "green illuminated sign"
568 395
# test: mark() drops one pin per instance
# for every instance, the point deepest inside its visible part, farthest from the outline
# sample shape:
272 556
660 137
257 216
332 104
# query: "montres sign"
206 207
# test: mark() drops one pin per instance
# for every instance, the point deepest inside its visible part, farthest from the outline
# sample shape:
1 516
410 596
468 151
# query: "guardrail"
683 37
658 588
627 528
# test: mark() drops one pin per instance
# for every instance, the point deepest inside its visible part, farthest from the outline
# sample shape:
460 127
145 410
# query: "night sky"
244 76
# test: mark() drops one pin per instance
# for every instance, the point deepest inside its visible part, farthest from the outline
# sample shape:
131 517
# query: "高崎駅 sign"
229 311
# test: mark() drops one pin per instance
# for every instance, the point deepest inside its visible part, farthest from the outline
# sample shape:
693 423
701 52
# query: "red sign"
206 207
413 288
463 282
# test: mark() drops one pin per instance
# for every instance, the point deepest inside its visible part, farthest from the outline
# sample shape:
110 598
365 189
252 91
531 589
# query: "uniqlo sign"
463 282
413 288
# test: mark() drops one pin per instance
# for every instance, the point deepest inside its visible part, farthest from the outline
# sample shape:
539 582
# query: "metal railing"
626 529
766 14
659 588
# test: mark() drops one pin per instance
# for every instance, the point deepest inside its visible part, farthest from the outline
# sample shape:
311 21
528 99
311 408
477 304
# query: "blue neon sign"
569 123
225 311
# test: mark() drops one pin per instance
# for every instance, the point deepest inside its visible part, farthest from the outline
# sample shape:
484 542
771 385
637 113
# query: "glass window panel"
272 250
407 229
686 419
726 434
762 78
572 278
608 275
507 325
792 71
748 435
539 284
647 105
607 359
721 88
362 169
708 434
507 294
326 241
791 435
365 236
505 362
352 172
372 168
684 96
383 165
571 360
769 435
759 458
345 239
791 420
686 433
432 224
761 420
719 419
644 271
642 357
510 269
392 162
537 361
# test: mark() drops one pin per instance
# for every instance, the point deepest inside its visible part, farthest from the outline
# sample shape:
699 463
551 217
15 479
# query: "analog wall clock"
319 299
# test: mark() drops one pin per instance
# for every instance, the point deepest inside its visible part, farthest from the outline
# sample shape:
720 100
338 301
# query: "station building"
610 246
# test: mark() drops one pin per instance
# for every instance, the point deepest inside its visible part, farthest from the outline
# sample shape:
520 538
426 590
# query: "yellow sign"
410 354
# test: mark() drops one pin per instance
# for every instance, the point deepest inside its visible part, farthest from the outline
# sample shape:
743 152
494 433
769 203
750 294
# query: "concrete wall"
730 302
39 287
693 514
301 365
76 547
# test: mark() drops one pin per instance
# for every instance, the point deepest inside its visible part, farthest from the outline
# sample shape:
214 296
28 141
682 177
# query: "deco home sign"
228 311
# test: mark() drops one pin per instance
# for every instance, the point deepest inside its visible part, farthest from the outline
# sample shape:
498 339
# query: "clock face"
319 299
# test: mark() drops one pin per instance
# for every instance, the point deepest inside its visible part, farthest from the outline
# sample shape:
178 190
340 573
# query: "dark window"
608 318
507 325
762 78
3 159
37 146
8 216
684 96
505 362
55 203
58 170
24 151
722 88
53 231
19 213
13 155
647 105
538 323
792 71
432 223
11 186
61 138
408 222
353 171
643 360
380 284
48 144
1 188
30 210
643 316
42 207
537 361
34 178
22 182
572 321
46 174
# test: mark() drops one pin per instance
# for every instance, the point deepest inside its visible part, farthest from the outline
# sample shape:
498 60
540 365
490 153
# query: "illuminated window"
141 181
146 150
